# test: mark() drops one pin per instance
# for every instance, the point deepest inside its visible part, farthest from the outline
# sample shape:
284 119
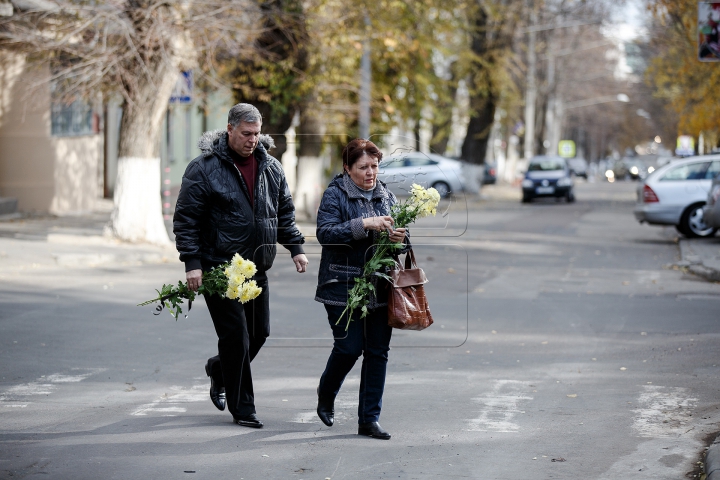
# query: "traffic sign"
566 148
183 91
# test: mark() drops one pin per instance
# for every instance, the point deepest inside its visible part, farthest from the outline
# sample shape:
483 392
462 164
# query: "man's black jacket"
214 219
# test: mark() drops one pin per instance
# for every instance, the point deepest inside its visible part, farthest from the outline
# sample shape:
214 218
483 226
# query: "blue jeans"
369 337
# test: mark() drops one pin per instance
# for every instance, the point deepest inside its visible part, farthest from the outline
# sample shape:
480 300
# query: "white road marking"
305 417
41 387
500 406
663 412
167 405
59 378
346 405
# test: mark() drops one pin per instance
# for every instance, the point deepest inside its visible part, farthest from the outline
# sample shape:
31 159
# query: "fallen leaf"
623 368
572 395
266 455
559 459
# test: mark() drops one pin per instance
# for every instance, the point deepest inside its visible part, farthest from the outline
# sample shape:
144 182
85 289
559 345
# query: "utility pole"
531 89
365 81
550 113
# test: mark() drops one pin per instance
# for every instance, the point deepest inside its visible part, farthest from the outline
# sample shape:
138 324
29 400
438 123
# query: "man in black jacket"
234 199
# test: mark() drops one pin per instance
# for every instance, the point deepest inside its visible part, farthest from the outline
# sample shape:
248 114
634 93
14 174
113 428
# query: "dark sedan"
547 177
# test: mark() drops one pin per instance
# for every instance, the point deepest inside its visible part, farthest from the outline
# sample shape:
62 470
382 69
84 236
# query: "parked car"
489 174
547 177
578 166
399 172
675 194
711 211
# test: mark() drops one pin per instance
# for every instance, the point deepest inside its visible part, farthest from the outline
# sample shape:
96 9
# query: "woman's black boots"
326 408
374 430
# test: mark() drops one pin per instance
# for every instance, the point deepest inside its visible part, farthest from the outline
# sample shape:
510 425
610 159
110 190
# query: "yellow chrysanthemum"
249 291
236 279
247 269
237 260
423 201
232 292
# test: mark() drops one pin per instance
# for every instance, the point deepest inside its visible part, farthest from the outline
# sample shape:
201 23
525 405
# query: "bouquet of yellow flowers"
421 203
229 280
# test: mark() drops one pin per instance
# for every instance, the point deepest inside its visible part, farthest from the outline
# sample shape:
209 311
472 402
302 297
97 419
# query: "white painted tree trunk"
137 216
309 186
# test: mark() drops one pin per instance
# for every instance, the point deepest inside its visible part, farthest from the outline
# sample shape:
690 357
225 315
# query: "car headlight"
609 174
564 182
634 170
527 183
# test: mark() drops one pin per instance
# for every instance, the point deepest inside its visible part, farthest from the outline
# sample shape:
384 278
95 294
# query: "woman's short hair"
355 149
243 112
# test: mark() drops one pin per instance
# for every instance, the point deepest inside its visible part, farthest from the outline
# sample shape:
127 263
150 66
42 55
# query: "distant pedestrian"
234 199
354 209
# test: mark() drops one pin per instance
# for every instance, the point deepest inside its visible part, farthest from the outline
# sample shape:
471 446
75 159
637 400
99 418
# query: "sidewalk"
32 242
701 256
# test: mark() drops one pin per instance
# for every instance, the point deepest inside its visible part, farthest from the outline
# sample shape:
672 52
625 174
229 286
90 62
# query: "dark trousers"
241 330
369 337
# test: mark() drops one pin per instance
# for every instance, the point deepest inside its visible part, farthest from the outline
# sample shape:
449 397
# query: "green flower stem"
171 297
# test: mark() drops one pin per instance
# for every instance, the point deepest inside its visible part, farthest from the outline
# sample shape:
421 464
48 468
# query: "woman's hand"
397 235
380 224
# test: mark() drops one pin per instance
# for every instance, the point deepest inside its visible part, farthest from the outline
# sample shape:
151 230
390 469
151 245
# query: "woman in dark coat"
354 209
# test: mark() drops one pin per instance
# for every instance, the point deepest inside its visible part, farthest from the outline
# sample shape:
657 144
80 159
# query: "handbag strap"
410 260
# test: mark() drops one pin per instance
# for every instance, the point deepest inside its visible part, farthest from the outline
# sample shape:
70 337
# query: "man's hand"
194 279
301 262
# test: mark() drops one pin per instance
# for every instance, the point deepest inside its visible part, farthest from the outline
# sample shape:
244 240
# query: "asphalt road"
563 347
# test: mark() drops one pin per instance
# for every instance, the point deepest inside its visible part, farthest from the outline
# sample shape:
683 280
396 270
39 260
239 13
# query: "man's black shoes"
326 409
217 394
374 430
251 421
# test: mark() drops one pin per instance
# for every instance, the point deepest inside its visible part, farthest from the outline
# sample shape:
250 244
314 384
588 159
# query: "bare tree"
135 48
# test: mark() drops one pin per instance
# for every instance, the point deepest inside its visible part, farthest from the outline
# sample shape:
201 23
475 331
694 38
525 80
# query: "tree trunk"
274 91
482 99
137 216
443 121
310 164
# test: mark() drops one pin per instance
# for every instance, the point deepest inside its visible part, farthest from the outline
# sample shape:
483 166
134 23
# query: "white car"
675 194
399 172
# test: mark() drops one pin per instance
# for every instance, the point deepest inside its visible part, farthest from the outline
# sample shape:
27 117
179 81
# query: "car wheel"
570 197
526 199
442 188
693 224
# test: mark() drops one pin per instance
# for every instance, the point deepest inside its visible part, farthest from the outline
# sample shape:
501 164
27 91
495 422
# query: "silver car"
399 172
675 194
711 211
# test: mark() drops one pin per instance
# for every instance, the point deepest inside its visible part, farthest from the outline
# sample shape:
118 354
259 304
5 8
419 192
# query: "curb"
707 268
712 461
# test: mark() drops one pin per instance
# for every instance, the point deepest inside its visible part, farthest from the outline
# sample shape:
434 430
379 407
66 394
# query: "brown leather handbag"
407 304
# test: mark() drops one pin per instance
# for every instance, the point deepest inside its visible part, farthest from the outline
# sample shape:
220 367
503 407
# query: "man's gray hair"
243 112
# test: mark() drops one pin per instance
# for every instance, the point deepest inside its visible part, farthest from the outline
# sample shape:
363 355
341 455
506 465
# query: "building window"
76 118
